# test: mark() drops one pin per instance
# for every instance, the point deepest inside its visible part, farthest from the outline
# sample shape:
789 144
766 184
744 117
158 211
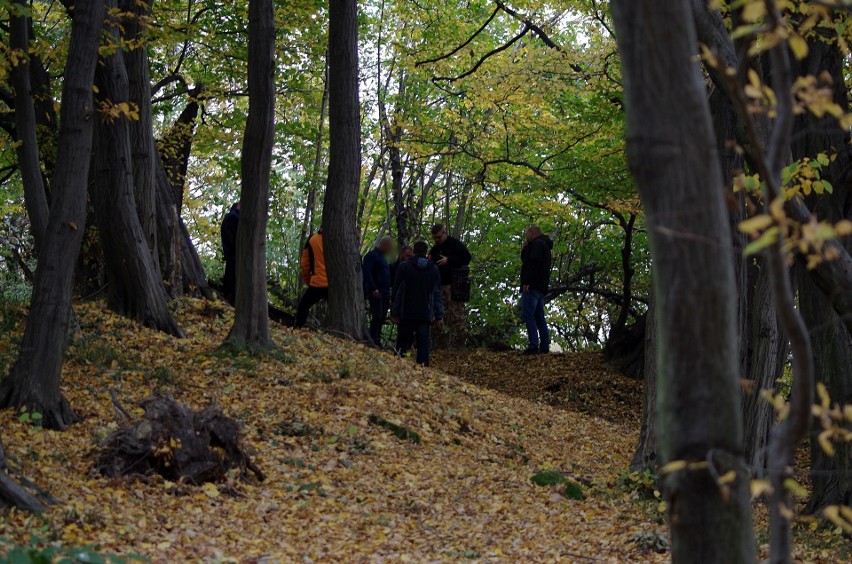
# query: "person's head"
439 233
533 231
385 246
420 249
405 252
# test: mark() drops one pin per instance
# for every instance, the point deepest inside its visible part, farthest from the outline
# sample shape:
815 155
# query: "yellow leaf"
728 477
825 444
798 46
760 487
755 224
673 466
210 490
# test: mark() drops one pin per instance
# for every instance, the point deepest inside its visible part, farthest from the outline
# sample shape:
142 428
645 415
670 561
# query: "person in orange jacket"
313 273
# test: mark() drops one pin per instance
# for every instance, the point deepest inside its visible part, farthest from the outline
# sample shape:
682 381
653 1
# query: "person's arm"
461 256
368 267
437 295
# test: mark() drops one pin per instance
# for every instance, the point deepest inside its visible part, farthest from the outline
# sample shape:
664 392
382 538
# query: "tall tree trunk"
35 378
673 157
645 457
141 130
766 353
251 322
135 288
176 147
343 262
831 475
35 197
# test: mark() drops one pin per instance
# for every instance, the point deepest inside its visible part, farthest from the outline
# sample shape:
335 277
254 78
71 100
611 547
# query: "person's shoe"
530 351
544 349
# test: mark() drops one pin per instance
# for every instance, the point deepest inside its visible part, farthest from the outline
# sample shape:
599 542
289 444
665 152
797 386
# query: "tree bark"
35 197
135 288
251 322
176 148
673 157
34 380
12 494
343 262
141 130
645 457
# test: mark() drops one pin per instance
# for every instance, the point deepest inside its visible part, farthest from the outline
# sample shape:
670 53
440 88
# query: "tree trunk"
176 147
343 262
141 130
766 353
35 197
831 475
251 322
34 380
645 457
11 493
673 157
135 288
315 179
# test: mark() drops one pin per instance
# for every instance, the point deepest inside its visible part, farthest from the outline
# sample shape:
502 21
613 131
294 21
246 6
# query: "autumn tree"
34 380
251 322
674 160
341 241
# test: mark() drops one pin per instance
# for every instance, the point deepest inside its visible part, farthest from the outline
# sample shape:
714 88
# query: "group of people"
418 290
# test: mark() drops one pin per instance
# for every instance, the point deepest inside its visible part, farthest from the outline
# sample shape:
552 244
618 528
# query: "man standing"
417 303
313 273
229 248
377 287
450 254
535 283
405 253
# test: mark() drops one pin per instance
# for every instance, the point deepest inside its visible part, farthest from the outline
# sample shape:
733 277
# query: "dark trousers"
410 329
378 316
229 282
309 299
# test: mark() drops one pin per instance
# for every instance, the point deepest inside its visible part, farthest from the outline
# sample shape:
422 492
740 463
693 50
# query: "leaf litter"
331 425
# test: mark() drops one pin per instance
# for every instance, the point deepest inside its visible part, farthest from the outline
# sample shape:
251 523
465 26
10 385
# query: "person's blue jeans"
532 313
410 329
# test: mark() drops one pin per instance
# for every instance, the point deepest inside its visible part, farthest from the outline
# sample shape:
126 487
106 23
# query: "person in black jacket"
417 302
449 254
377 287
229 248
535 283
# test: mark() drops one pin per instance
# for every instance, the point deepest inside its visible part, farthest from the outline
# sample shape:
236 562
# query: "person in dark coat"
535 283
405 253
448 254
377 287
229 248
417 303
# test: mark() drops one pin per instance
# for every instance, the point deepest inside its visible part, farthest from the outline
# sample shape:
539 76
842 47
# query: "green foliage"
643 484
571 489
40 552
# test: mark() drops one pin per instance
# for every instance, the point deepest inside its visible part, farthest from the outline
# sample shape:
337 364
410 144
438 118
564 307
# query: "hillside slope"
338 486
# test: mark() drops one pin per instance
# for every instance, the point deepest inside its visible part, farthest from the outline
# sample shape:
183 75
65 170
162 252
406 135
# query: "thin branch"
484 58
463 45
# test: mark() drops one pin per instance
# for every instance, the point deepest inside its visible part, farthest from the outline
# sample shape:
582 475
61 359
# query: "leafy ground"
367 457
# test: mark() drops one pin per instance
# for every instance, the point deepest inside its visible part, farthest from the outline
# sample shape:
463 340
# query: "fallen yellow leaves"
338 488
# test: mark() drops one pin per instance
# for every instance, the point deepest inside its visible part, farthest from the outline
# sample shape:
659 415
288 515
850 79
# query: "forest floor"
340 487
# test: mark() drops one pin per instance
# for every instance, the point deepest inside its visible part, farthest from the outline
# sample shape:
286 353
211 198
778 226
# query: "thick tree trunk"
766 350
141 130
135 288
673 157
831 475
35 378
251 322
343 262
35 197
645 457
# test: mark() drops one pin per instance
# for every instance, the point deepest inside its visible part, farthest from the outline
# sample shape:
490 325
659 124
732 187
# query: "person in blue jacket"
377 286
417 303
